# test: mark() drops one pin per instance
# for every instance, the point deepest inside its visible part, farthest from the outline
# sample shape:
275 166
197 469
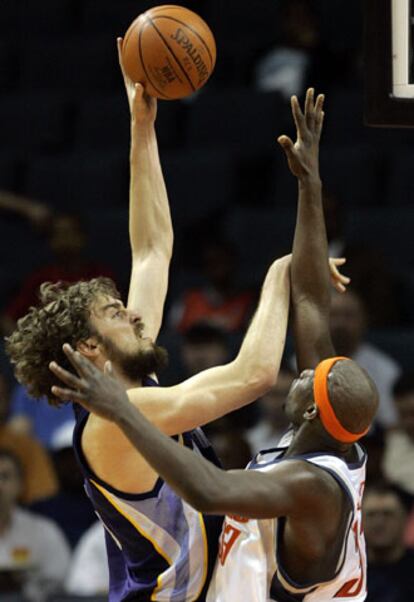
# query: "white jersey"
248 567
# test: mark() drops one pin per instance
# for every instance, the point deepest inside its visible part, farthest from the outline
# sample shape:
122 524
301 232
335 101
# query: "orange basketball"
170 50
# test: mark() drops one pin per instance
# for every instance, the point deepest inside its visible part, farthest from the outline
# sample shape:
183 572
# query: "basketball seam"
143 63
193 31
174 56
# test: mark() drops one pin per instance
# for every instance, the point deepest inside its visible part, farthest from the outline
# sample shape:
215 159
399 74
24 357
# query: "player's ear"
89 348
311 412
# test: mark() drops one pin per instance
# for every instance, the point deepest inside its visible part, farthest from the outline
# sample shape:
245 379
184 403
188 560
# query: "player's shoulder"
311 485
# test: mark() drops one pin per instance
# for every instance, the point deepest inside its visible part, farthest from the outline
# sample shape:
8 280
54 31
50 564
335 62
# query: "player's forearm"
264 342
194 479
310 265
150 224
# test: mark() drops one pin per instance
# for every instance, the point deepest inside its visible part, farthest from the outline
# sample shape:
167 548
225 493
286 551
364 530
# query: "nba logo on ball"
170 50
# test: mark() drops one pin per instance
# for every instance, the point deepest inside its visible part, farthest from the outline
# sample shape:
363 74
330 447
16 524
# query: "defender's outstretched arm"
292 488
310 267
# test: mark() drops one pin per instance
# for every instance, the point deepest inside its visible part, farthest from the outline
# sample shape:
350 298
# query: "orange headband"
323 403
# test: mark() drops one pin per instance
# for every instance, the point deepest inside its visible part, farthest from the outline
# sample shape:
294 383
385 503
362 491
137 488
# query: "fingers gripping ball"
170 50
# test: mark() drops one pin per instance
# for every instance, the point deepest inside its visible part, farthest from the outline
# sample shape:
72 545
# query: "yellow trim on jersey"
140 530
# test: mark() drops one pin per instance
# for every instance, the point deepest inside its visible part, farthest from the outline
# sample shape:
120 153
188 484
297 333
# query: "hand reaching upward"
142 106
303 155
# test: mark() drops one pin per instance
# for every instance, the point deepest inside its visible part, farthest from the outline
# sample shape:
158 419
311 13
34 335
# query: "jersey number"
227 541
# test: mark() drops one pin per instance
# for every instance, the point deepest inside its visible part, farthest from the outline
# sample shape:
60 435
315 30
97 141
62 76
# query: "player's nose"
134 318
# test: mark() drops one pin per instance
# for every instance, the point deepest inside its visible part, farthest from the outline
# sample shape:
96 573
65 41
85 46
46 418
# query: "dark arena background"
64 177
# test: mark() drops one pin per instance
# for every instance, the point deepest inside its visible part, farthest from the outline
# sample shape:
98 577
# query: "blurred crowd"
50 540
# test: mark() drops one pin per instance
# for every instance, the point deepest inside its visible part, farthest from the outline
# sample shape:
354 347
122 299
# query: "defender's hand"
142 106
303 155
96 391
339 281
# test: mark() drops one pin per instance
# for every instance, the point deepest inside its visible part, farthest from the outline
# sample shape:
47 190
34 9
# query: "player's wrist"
310 178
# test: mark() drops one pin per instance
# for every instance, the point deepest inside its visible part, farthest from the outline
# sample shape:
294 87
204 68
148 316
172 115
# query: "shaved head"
353 395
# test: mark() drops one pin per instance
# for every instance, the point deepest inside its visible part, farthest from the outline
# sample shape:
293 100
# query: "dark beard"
138 365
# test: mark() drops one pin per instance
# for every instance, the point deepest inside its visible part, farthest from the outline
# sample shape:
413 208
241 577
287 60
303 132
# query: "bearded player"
159 547
293 520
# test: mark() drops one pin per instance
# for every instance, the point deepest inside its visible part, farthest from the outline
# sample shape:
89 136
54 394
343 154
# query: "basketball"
170 50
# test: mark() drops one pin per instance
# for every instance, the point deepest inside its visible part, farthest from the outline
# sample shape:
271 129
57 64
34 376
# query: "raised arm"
217 391
310 268
293 488
150 228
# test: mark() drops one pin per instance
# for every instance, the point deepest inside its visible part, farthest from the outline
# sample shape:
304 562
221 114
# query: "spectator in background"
399 444
348 328
390 563
272 422
367 266
67 240
374 443
35 417
38 214
39 476
220 301
88 573
34 555
70 508
203 346
288 67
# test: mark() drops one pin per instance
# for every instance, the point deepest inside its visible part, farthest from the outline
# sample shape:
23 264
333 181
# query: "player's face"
119 331
300 394
123 327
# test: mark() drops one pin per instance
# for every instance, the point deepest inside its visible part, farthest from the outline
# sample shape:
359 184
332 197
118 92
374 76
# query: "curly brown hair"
62 317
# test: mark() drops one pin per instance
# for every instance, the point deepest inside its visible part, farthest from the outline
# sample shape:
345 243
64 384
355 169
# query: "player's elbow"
206 500
260 378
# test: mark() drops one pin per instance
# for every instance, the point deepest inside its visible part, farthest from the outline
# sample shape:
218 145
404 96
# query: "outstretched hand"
98 392
143 107
339 281
303 155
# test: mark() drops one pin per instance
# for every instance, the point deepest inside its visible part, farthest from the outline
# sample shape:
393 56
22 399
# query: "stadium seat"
80 181
235 20
9 63
400 186
35 122
260 236
237 119
75 64
108 241
8 172
11 16
398 343
198 184
103 123
353 173
111 17
389 228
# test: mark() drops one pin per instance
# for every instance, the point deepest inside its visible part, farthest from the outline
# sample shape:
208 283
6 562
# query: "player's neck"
307 440
128 383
